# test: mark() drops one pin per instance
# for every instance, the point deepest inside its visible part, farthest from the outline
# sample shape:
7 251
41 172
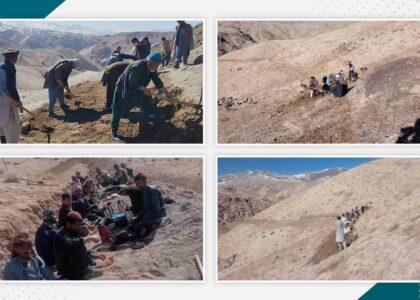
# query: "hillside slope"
261 100
89 123
169 255
234 35
244 195
295 238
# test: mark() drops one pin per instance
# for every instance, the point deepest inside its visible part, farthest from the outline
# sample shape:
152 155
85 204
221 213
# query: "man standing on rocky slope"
10 103
131 90
70 253
184 41
56 80
167 51
339 234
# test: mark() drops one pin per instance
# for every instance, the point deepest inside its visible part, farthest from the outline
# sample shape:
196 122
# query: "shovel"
185 103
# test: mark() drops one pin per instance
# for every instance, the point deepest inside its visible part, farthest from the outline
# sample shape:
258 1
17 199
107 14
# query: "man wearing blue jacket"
24 264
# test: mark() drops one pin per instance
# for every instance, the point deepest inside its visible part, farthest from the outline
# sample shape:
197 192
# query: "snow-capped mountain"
263 175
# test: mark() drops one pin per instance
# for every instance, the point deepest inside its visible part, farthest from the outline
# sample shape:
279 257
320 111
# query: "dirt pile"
86 122
286 241
270 73
168 255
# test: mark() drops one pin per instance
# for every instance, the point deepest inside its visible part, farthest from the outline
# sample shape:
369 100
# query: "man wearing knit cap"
131 90
24 264
56 81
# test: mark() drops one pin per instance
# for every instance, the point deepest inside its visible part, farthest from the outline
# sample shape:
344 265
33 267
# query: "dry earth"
261 100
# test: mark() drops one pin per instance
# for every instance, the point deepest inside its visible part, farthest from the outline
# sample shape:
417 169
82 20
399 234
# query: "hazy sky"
286 165
108 26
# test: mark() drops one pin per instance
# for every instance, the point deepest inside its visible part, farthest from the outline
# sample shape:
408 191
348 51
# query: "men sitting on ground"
89 185
64 209
44 238
78 203
56 81
131 90
314 87
24 264
148 205
104 179
70 252
129 171
109 79
121 174
339 234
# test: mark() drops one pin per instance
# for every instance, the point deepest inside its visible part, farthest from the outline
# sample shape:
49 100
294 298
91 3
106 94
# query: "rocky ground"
261 99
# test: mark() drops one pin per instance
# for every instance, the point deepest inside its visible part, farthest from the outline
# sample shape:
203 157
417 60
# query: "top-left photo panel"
101 81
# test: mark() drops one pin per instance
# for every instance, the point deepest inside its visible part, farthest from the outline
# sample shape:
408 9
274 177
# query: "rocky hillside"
234 35
244 195
261 99
294 239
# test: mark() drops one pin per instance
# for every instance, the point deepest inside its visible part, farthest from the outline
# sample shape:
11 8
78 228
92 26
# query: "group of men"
126 82
345 223
61 251
335 83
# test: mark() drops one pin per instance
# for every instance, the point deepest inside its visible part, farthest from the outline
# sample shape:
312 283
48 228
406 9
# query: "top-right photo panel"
318 82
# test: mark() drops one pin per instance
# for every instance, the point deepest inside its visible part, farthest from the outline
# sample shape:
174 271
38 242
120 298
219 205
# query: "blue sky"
290 165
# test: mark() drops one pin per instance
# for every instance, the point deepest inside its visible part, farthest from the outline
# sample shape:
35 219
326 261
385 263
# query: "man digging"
131 90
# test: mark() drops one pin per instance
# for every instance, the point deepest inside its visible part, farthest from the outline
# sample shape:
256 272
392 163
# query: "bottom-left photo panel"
101 218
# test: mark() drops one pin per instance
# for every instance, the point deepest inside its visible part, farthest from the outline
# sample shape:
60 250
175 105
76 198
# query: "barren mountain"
30 184
234 35
101 51
35 38
245 194
294 239
87 122
261 98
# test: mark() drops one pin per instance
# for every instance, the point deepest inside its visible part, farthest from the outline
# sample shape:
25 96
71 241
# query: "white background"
209 10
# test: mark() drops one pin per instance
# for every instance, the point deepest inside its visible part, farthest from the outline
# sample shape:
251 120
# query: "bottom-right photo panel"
318 218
